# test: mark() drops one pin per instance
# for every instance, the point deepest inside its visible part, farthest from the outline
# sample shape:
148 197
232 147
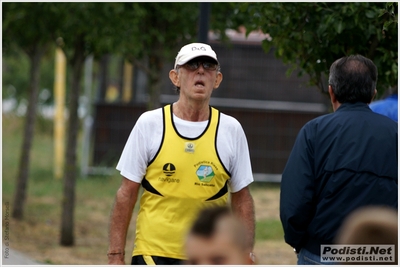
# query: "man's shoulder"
229 120
322 119
151 118
151 115
382 119
350 118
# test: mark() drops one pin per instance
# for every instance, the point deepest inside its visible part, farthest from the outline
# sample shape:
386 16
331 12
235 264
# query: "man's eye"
209 66
193 65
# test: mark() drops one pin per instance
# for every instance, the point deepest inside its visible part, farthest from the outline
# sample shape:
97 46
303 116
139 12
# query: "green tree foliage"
313 35
15 78
159 30
166 25
226 15
15 75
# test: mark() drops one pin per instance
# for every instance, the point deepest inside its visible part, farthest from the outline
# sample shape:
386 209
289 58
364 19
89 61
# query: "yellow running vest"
185 176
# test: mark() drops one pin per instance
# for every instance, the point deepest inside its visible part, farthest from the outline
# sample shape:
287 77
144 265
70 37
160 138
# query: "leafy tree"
15 73
225 15
163 29
88 30
313 35
22 28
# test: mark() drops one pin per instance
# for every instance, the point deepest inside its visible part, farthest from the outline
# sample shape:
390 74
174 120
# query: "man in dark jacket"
339 162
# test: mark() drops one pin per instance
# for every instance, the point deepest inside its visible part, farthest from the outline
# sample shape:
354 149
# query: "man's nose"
200 69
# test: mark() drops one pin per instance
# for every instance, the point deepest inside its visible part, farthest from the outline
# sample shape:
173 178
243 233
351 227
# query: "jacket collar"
353 106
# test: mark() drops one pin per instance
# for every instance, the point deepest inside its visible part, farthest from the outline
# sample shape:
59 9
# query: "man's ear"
331 94
250 259
373 97
174 77
218 80
334 101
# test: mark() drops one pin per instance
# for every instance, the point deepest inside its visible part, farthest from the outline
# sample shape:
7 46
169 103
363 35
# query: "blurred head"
217 237
368 226
353 79
196 69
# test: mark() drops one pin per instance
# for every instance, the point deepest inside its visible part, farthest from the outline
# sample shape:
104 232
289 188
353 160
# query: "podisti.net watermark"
358 253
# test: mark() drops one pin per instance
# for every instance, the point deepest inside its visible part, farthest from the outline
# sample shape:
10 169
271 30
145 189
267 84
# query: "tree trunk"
68 202
23 171
103 78
155 66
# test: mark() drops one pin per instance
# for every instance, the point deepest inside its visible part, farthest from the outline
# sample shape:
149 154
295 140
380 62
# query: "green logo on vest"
205 173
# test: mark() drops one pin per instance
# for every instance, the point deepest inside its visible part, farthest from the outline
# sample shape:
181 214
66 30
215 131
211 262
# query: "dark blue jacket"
339 162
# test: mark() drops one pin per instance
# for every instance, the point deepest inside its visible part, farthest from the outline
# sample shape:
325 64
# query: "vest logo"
205 173
169 169
189 147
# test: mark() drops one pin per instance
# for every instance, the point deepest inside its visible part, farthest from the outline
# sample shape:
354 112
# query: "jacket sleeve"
297 189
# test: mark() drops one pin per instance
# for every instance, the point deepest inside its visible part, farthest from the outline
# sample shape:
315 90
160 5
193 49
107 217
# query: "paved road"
16 258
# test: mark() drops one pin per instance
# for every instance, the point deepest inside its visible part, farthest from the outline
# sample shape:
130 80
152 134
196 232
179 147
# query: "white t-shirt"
145 140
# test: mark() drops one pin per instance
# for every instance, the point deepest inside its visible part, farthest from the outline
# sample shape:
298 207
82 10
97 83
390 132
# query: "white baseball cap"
193 50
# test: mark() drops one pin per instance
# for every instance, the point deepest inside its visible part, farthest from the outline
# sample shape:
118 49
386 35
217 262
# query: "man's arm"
120 218
243 206
298 190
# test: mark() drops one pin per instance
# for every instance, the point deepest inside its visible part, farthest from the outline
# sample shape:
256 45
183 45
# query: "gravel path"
13 257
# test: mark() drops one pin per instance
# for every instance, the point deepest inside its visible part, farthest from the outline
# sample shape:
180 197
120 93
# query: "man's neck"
336 105
191 111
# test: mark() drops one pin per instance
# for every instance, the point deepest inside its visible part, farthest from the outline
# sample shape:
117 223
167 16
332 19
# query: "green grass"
38 233
269 230
265 186
11 144
41 177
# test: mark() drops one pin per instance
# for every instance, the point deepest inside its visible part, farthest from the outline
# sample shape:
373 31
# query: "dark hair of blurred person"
217 237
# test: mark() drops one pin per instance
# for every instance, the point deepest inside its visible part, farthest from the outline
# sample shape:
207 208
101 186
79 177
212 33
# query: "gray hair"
353 79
